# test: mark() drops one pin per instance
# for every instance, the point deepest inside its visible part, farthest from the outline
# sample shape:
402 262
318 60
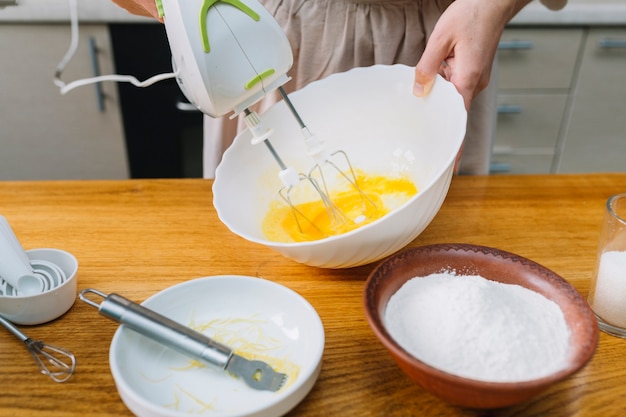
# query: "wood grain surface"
138 237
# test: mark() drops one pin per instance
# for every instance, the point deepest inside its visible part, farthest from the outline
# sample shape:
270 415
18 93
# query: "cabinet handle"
509 109
499 168
95 65
515 45
186 107
611 43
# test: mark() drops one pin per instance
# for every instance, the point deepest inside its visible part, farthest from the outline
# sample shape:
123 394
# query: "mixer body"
228 54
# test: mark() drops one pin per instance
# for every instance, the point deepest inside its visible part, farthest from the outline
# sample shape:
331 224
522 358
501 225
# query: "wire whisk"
58 363
328 165
315 185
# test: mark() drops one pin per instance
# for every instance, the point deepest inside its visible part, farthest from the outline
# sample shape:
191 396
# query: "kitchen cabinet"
595 139
561 91
46 135
528 131
537 68
538 59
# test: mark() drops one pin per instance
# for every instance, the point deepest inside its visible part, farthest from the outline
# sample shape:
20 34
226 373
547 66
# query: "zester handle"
161 329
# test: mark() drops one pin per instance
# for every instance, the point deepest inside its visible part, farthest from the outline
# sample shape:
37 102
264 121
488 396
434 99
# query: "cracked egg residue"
247 337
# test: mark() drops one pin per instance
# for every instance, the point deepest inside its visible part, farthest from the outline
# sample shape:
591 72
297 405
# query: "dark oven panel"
163 131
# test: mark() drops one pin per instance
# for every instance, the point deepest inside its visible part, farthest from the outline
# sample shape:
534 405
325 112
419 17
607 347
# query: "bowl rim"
372 310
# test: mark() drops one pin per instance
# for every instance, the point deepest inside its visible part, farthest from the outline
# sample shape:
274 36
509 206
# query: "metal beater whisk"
316 177
288 176
58 363
337 163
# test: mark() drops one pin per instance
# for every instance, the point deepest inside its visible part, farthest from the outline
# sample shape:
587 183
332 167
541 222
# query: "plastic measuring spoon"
13 267
7 231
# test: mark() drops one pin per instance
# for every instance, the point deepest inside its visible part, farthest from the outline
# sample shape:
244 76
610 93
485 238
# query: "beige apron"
329 36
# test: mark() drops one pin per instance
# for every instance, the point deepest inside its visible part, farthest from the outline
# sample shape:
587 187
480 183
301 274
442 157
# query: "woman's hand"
463 45
140 7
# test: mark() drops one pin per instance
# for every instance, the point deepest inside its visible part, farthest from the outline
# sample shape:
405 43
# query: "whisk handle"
161 329
14 330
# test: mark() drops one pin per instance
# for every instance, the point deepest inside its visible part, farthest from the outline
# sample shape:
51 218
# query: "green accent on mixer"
204 10
159 6
260 77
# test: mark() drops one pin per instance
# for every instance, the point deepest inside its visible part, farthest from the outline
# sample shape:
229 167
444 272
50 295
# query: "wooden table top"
138 237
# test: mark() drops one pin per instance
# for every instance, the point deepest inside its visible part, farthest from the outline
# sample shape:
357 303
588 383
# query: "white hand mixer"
228 54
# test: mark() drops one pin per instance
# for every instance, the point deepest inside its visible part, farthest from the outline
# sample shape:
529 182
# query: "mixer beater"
335 165
299 188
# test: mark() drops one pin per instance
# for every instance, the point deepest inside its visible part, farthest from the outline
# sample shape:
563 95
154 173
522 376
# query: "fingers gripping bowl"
372 115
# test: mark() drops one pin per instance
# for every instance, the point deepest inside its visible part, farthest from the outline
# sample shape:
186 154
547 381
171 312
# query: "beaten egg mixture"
384 194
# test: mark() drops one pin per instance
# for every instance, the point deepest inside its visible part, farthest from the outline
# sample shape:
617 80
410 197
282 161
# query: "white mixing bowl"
277 322
372 115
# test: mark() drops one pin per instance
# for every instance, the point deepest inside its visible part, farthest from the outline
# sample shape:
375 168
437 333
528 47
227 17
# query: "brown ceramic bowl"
495 265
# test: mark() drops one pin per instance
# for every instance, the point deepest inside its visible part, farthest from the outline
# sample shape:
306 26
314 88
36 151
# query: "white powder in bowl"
479 329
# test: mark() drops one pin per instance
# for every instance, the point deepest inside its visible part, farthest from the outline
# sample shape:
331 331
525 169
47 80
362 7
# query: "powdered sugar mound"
477 328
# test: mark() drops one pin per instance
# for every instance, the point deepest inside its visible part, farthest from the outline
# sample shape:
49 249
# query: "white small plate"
254 316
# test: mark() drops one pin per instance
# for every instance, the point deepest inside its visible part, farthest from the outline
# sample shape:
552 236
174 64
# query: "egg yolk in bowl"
376 196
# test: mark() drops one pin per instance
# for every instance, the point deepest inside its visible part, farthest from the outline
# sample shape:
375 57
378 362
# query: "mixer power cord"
65 88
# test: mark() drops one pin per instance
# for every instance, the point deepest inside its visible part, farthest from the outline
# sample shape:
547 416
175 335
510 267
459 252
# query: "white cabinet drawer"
521 164
527 132
46 135
530 121
596 137
538 58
